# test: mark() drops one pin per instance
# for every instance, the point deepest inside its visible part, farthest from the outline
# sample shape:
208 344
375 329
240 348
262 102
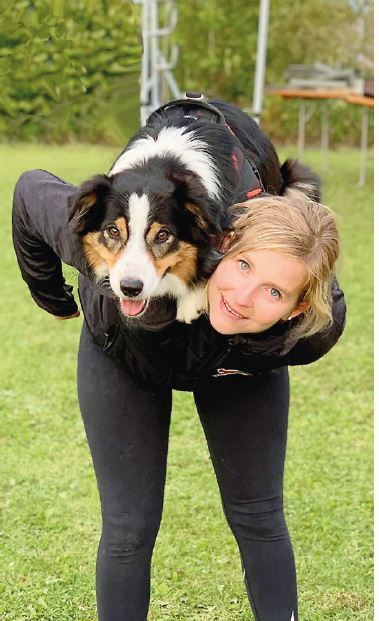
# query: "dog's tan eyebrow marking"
182 262
123 228
153 232
97 254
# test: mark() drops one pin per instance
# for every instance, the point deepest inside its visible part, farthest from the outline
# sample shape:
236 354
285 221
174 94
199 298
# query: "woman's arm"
271 351
42 240
309 349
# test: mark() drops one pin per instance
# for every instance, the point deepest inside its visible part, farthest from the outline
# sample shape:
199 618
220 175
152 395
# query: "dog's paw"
191 306
187 315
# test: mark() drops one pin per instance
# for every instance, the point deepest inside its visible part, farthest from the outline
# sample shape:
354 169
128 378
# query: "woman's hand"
77 314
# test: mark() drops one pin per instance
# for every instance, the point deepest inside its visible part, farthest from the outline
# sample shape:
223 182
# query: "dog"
156 224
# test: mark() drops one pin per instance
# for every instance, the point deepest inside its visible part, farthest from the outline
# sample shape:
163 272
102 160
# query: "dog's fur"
153 226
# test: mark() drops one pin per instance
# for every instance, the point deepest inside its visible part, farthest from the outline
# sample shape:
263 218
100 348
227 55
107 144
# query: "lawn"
51 520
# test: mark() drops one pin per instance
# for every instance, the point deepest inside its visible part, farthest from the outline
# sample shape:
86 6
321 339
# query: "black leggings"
127 425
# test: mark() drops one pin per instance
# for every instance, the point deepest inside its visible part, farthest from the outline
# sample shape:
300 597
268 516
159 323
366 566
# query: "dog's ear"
194 197
87 205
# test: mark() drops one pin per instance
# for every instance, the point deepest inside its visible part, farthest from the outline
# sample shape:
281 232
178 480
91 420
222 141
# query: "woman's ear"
226 241
300 308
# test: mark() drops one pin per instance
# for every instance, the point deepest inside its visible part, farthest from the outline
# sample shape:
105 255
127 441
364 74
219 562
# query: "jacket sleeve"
42 239
310 349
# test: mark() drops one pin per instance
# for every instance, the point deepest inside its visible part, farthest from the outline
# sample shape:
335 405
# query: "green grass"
51 520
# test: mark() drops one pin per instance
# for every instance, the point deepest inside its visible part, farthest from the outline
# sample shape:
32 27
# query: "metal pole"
364 140
260 65
301 134
145 62
156 71
155 91
324 138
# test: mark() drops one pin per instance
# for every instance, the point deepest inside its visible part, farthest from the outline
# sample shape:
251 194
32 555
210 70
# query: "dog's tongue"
131 308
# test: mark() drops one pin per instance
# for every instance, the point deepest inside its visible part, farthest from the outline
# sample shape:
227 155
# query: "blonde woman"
272 302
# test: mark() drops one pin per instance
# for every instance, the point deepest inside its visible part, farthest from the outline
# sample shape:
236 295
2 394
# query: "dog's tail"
296 176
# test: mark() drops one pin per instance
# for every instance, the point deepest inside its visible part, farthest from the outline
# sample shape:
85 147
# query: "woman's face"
254 290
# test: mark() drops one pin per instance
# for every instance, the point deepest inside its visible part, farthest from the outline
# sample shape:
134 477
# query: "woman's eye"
275 293
243 265
113 231
162 236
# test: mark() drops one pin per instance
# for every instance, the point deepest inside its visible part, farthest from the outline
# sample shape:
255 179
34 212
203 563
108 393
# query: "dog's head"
145 231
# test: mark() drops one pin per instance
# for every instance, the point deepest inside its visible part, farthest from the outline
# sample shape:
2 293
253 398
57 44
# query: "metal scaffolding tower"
158 21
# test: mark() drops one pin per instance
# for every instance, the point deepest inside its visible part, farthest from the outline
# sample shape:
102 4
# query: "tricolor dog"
154 225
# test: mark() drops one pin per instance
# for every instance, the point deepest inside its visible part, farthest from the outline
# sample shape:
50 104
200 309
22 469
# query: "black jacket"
158 349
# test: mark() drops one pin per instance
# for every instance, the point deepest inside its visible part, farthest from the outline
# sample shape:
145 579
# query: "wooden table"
304 95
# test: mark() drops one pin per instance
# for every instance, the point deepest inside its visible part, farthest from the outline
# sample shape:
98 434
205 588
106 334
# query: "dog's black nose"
131 287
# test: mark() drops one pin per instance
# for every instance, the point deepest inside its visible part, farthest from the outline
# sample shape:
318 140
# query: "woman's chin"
220 325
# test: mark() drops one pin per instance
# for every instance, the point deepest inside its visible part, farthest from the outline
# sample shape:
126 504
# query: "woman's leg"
245 422
127 429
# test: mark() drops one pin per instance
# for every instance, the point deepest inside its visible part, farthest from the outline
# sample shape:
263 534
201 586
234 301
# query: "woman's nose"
245 295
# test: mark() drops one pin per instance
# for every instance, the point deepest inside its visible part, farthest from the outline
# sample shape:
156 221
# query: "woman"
269 305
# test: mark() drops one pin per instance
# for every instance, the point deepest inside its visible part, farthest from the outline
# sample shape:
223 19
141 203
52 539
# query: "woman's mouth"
229 310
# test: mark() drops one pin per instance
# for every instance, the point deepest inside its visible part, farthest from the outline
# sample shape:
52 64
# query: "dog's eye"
113 231
162 236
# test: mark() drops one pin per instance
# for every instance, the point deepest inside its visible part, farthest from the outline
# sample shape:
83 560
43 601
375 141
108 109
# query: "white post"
301 132
364 141
260 65
325 138
145 62
155 90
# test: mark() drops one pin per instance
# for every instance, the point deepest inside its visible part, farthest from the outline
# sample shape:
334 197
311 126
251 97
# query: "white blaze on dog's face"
134 275
155 261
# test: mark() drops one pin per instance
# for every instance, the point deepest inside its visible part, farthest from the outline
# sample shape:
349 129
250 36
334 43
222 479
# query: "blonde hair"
301 228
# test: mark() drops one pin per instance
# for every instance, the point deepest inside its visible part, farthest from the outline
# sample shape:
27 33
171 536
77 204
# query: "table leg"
324 139
364 138
301 133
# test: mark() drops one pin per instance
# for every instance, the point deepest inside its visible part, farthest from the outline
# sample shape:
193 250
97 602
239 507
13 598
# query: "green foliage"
66 67
218 42
69 69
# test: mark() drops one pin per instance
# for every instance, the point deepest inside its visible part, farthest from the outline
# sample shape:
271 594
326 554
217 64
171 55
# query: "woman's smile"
229 311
